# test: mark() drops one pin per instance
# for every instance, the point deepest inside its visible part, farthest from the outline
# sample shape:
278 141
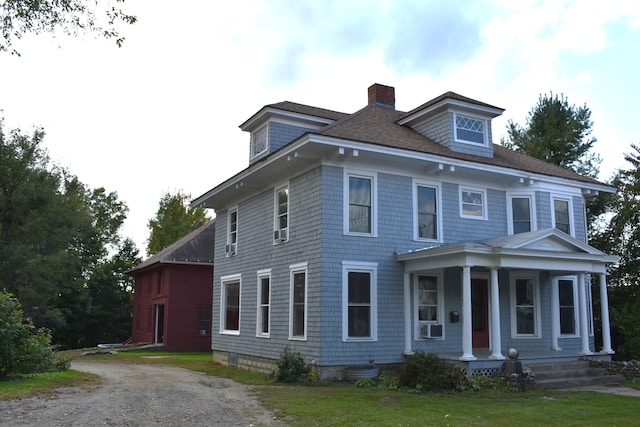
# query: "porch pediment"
547 249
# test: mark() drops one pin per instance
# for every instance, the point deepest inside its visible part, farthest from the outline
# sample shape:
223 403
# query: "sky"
162 113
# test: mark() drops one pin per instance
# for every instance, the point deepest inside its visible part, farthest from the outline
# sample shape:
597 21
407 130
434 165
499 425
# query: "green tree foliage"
173 220
71 17
558 133
60 251
23 348
620 235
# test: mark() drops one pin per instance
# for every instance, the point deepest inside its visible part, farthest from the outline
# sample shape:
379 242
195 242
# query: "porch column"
496 345
604 310
407 314
467 345
584 328
555 315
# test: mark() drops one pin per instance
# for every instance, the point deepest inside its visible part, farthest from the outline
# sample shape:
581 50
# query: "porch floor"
484 365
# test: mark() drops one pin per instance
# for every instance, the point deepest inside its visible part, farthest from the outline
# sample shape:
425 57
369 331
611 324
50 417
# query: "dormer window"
259 141
470 130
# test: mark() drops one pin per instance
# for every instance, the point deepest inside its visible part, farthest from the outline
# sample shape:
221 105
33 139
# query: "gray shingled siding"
439 129
579 218
456 229
281 134
316 237
543 210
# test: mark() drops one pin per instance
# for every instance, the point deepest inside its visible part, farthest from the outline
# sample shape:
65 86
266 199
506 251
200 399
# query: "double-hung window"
429 306
426 212
264 303
232 232
260 141
470 130
281 214
359 307
567 303
230 305
562 215
473 203
520 214
360 196
298 302
525 305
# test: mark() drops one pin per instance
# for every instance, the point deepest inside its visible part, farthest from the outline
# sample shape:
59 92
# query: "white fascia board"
453 105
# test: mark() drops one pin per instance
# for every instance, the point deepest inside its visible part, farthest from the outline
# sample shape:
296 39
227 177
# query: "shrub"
291 368
427 372
23 348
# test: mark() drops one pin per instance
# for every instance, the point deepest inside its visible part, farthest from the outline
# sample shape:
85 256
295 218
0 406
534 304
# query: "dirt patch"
141 395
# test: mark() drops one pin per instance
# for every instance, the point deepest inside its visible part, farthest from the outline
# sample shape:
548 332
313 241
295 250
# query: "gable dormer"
276 125
456 122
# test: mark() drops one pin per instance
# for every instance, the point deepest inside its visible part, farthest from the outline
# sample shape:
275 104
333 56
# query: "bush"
23 348
291 368
427 372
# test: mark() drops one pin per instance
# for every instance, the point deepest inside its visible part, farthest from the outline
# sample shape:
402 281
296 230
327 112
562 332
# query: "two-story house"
361 238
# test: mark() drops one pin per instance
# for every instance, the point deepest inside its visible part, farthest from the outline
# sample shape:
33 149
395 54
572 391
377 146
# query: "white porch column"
496 345
407 314
604 310
584 327
555 315
467 346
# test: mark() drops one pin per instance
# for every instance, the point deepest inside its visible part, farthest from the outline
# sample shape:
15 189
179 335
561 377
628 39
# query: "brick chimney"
384 96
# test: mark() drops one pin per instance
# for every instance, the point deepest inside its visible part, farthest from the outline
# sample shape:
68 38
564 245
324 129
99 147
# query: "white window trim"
223 302
262 274
253 143
373 176
485 130
276 222
416 233
485 203
514 321
532 210
416 304
294 269
569 199
230 233
576 308
364 267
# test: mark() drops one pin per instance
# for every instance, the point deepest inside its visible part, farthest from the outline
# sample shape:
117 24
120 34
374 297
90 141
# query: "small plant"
291 368
427 372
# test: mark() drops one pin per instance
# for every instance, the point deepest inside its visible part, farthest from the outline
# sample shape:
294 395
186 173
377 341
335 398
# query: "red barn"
174 293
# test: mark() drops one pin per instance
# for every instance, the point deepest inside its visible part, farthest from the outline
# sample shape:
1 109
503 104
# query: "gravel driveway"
141 395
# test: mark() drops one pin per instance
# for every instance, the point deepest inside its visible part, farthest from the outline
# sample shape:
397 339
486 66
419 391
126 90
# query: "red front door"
480 313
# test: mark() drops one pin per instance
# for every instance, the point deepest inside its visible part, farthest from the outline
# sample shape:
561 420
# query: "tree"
558 133
173 220
19 17
621 237
60 250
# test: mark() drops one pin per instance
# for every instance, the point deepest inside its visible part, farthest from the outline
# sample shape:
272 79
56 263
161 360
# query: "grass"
21 386
340 404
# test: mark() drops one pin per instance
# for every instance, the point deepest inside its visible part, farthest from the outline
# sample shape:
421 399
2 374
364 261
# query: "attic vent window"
259 141
470 130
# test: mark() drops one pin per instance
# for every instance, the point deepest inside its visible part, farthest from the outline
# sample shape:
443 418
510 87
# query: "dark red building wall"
182 290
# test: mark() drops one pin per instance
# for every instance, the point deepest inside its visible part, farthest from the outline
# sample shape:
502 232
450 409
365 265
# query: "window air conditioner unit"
280 235
431 330
230 249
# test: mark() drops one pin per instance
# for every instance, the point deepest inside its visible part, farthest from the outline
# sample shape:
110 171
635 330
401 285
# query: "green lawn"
345 405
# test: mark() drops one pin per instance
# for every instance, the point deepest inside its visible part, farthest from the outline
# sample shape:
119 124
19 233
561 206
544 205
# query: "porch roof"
546 249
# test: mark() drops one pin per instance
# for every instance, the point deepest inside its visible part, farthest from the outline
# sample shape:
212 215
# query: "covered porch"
548 250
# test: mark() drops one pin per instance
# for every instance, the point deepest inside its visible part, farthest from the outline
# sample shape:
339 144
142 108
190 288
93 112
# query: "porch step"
571 375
